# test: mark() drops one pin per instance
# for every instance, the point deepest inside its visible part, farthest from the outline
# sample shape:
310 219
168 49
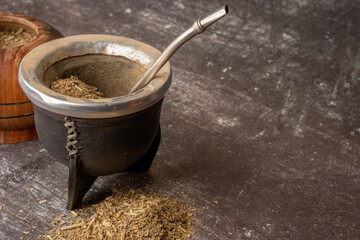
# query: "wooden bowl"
16 110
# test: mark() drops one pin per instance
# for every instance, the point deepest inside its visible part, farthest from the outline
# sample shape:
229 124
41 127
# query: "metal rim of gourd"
38 60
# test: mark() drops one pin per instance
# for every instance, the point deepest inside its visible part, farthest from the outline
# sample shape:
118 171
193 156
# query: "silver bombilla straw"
198 27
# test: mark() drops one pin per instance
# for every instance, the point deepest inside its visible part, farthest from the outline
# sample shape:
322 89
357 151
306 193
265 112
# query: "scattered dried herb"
12 38
128 215
74 213
74 87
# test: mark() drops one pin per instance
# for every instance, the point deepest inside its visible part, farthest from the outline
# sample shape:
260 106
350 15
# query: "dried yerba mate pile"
74 87
12 38
128 215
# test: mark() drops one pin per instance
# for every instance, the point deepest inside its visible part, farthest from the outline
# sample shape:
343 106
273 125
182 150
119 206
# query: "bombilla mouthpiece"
198 27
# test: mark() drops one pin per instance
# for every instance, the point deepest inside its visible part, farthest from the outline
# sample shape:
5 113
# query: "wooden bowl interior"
16 25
